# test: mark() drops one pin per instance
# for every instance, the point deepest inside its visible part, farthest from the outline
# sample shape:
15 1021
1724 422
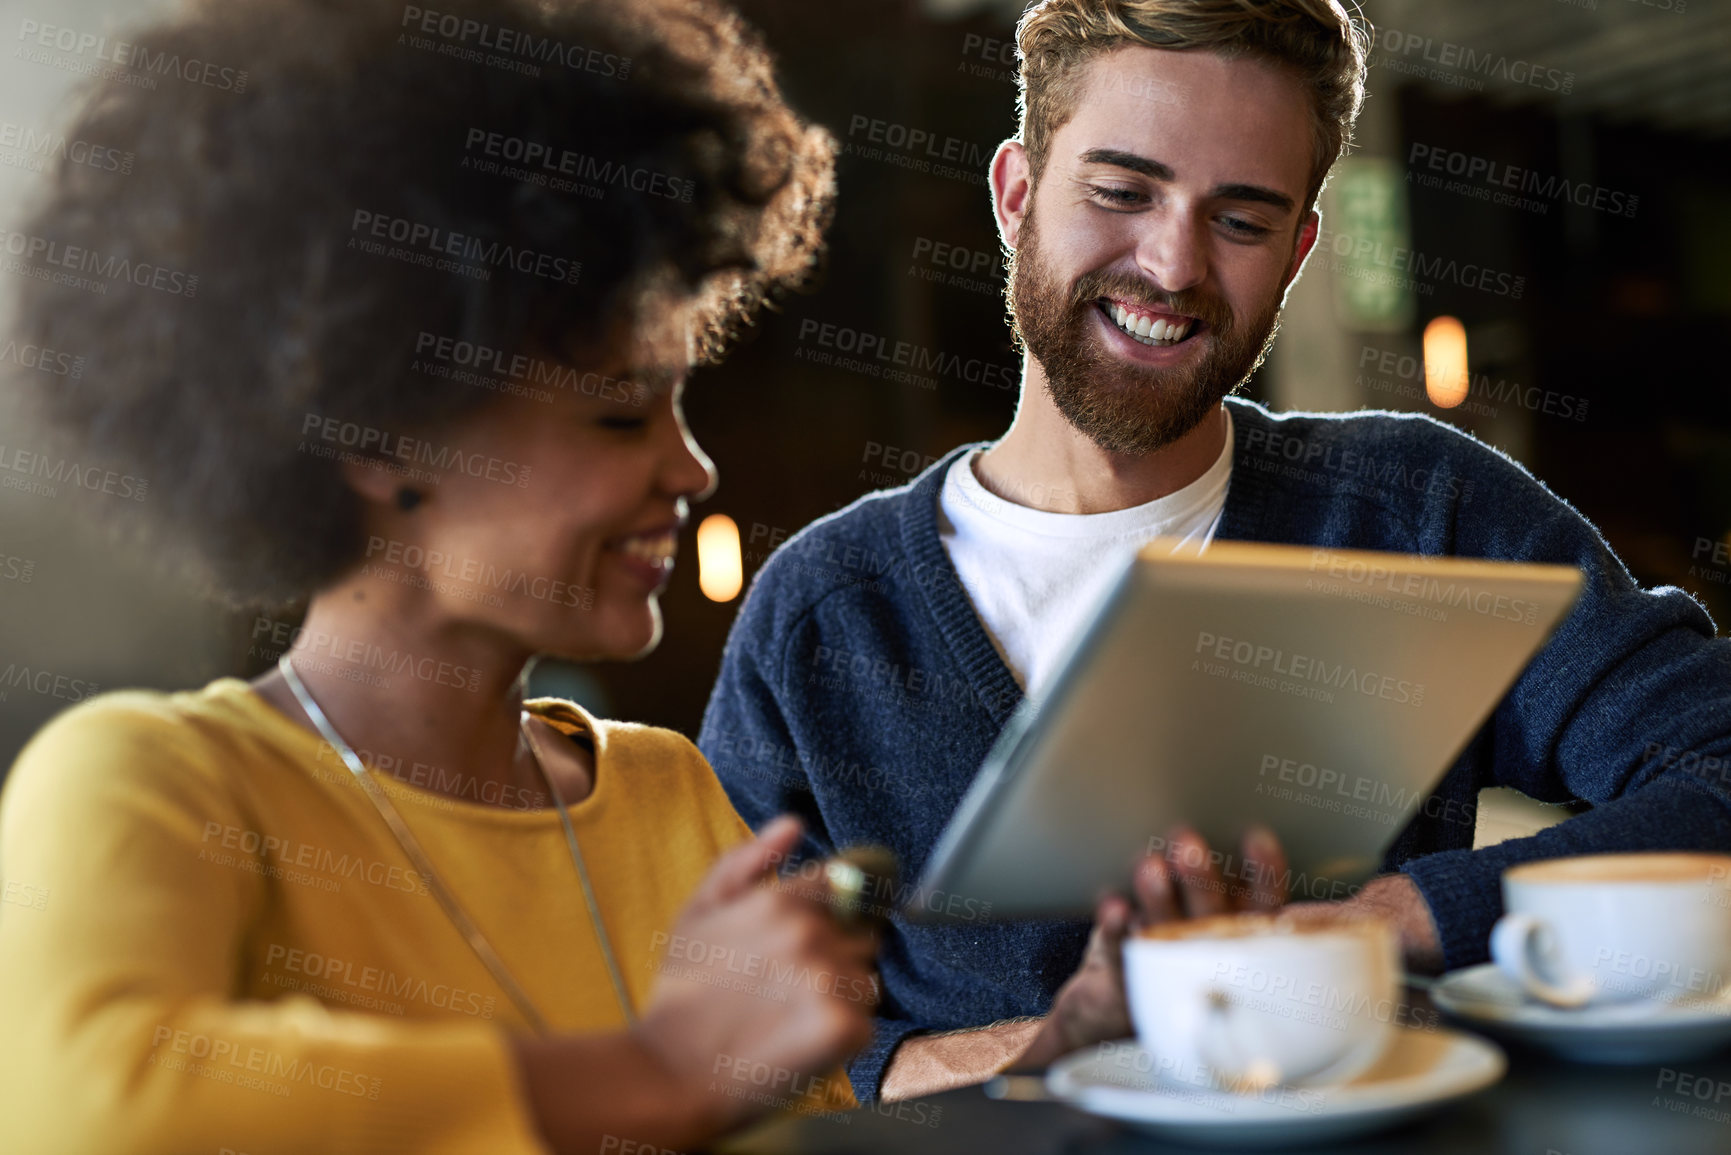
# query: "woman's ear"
370 479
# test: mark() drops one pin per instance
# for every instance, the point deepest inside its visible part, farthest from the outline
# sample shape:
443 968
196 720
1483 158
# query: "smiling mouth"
655 549
1147 326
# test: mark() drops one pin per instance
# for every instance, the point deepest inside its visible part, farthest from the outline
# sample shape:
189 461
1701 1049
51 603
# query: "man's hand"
1395 899
1186 883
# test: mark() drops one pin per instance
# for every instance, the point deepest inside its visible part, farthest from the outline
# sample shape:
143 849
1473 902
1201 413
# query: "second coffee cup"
1247 1001
1617 928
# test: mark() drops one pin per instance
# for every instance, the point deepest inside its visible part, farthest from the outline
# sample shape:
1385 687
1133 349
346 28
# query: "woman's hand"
771 992
1183 883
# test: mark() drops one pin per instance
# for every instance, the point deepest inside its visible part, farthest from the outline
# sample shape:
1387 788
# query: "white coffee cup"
1617 928
1248 1001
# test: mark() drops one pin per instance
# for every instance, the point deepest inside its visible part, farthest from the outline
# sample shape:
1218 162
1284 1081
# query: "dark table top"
1542 1106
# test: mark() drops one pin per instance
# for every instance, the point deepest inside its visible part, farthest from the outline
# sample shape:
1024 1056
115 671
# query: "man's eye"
622 423
1117 196
1239 227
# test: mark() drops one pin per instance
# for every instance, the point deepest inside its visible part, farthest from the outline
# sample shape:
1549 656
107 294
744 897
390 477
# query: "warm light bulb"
1445 362
720 573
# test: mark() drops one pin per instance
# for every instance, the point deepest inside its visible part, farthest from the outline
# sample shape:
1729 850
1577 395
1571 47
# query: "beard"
1121 406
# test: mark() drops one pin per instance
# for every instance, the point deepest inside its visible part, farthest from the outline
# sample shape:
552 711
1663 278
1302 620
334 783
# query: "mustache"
1213 312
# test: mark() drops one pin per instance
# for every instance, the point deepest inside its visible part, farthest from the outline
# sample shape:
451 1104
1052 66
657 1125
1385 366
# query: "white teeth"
1148 330
656 550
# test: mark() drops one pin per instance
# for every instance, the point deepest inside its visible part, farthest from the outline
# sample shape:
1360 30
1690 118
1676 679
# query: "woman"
422 293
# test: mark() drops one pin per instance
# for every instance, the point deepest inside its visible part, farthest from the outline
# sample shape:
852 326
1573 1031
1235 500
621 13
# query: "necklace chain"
448 901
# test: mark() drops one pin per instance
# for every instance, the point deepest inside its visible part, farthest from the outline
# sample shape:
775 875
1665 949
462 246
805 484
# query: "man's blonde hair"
1315 39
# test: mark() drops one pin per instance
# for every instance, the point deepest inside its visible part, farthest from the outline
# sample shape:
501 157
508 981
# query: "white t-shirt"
1034 577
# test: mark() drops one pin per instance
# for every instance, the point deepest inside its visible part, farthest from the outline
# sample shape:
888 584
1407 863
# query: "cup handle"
1524 948
1225 1051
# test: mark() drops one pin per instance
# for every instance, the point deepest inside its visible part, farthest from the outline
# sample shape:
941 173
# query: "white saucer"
1420 1070
1642 1032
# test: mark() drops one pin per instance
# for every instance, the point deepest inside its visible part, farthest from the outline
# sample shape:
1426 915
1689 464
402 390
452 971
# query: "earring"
408 498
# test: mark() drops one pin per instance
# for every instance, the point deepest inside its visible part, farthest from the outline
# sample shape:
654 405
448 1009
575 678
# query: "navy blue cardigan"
860 691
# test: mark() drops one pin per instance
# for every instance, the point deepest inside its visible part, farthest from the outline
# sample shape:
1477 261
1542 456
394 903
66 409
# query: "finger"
850 1029
1111 924
744 866
810 924
857 910
827 976
1268 873
1199 884
825 958
1155 900
848 945
809 884
873 983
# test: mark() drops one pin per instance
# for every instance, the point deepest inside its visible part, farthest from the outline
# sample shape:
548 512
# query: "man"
1158 203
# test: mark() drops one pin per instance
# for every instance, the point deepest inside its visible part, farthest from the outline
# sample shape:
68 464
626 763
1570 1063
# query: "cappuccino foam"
1614 868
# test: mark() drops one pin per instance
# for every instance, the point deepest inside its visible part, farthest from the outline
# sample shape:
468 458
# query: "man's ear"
1010 190
1307 233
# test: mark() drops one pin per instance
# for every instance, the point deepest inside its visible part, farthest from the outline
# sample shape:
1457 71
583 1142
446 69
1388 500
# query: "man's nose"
1172 251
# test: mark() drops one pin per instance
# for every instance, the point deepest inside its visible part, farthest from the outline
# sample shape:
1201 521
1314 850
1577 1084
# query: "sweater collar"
944 598
1246 516
941 592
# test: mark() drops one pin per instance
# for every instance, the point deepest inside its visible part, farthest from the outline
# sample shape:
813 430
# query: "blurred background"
1539 209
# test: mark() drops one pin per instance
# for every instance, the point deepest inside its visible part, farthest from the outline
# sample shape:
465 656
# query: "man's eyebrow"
1121 159
1253 192
1160 172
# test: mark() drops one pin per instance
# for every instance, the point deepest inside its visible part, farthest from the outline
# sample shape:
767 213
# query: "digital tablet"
1321 692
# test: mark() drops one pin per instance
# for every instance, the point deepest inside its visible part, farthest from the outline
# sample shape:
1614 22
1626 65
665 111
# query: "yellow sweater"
211 940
